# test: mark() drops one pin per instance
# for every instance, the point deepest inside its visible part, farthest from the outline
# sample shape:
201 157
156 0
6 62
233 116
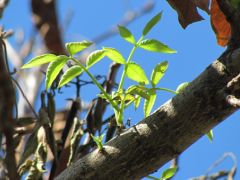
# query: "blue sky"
196 47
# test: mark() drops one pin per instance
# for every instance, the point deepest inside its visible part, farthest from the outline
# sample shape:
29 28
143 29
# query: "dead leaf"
219 24
187 10
203 4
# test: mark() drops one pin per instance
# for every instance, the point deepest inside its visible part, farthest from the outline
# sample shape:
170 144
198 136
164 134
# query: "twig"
26 99
3 5
128 18
224 173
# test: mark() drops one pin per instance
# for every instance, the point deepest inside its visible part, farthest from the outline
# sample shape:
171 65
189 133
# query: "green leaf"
138 90
152 23
136 73
158 72
75 47
39 60
126 34
114 55
168 173
155 46
148 103
54 68
70 74
98 140
137 102
181 87
210 135
94 57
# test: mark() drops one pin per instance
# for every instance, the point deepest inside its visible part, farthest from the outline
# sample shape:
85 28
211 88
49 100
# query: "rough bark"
170 130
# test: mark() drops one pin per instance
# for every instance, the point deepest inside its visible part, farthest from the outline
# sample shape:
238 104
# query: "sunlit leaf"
152 23
39 60
148 103
155 46
94 57
71 73
53 70
75 47
138 90
181 87
168 173
210 135
114 55
158 72
126 34
136 73
137 102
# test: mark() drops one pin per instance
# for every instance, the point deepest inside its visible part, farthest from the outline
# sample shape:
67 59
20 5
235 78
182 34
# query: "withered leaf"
219 24
187 10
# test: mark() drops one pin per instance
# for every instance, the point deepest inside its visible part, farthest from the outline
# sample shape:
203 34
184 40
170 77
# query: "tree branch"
167 132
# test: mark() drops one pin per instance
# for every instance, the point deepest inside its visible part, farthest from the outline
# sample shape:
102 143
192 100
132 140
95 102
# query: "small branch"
128 18
220 174
7 99
233 101
3 5
26 99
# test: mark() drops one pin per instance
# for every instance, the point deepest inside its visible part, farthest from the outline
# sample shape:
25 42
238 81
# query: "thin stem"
97 84
126 65
166 89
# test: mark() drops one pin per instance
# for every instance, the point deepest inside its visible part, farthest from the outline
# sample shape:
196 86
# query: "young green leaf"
168 173
155 46
75 47
98 140
94 57
53 70
210 135
138 90
158 72
114 55
151 23
181 87
39 60
70 74
137 102
126 34
136 73
148 103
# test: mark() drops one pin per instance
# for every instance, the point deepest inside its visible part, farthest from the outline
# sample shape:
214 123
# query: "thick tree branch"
167 132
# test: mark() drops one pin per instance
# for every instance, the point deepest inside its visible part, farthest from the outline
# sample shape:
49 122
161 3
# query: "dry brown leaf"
219 24
187 10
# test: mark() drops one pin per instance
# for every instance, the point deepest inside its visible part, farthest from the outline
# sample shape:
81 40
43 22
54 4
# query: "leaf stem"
126 65
97 84
166 89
